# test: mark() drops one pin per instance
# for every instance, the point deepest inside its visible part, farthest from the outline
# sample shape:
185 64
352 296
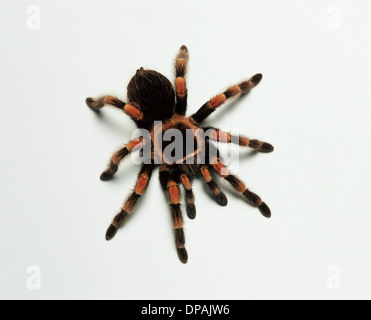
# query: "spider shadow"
110 122
248 154
120 176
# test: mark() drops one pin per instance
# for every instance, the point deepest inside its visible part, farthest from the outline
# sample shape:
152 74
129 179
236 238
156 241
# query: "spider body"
159 107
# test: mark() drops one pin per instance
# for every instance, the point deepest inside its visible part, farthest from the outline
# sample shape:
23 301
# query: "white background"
313 105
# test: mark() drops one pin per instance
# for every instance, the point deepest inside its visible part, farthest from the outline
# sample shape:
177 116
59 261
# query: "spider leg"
189 196
252 198
181 63
172 192
134 112
100 102
117 158
220 136
210 106
144 177
212 187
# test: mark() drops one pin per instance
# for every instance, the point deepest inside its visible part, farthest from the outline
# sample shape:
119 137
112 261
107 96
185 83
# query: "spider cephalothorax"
159 108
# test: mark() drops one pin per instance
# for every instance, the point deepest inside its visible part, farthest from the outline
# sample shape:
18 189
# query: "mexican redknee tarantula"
153 99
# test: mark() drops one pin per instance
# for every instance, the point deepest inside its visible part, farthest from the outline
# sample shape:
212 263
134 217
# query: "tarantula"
152 100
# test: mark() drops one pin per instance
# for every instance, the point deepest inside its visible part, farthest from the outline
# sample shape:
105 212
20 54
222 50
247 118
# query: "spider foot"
247 86
105 176
118 221
257 78
266 148
261 146
191 211
113 167
214 189
111 232
221 199
94 104
264 210
183 53
183 255
254 200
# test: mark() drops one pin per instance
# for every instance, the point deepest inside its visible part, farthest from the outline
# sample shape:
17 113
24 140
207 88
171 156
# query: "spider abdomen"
154 93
